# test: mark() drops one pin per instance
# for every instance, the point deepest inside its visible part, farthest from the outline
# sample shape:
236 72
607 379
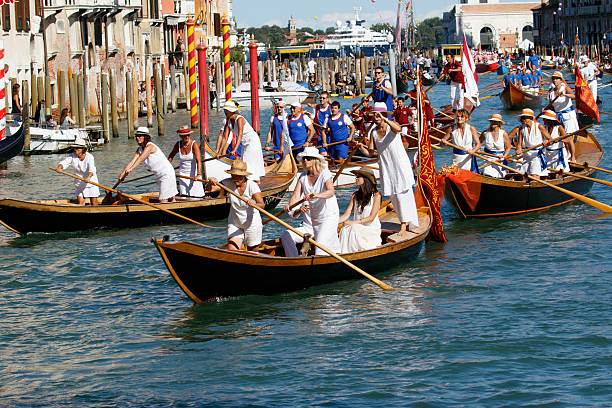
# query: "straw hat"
239 168
527 112
310 151
231 106
550 115
366 173
496 117
184 130
557 74
143 130
79 142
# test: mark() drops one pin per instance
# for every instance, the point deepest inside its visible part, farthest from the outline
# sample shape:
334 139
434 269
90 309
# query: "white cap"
143 130
296 104
230 106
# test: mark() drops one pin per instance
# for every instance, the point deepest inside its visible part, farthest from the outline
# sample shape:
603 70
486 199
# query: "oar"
350 156
131 197
432 85
596 180
9 227
139 178
587 165
312 241
488 96
278 214
415 138
555 140
600 206
600 111
215 158
109 195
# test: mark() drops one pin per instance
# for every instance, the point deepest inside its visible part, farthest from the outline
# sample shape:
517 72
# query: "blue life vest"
381 96
298 132
320 116
338 130
278 131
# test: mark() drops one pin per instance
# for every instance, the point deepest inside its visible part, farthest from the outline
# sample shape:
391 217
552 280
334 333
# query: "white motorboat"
46 140
292 92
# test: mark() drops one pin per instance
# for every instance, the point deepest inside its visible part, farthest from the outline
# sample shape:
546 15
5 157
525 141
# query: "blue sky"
324 13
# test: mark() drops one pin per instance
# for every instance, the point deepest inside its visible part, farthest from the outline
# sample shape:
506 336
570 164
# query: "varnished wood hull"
500 197
486 67
514 98
206 274
47 216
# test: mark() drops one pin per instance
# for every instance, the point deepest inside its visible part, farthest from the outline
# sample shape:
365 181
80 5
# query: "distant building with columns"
489 23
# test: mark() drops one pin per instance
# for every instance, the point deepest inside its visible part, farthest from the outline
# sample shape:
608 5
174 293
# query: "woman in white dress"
244 221
396 177
363 231
465 136
190 163
84 167
497 142
561 95
245 134
320 207
529 134
156 162
557 156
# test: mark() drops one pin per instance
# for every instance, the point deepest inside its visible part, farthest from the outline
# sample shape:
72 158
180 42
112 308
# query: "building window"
22 15
153 9
6 17
60 26
98 32
482 1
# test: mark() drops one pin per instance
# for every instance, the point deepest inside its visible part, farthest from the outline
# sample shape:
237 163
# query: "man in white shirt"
589 72
312 66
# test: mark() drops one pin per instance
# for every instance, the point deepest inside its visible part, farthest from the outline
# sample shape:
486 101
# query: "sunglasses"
309 158
378 72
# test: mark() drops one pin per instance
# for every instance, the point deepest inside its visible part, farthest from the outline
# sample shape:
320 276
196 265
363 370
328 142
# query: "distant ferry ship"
353 34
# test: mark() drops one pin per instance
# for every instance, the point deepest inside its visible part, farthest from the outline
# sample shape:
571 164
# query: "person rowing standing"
465 136
84 167
561 95
382 90
453 71
190 163
530 134
340 128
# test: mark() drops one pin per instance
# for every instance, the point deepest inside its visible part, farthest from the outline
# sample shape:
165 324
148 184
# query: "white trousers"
455 88
463 161
290 239
531 164
593 86
405 208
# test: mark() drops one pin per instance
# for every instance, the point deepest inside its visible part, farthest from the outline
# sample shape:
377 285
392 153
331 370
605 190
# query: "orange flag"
427 175
585 102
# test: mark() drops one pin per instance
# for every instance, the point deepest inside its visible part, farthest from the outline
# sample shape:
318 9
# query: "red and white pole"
254 85
203 81
2 94
192 74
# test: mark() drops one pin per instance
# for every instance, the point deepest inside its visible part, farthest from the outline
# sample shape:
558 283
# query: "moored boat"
12 144
206 273
67 215
480 196
514 98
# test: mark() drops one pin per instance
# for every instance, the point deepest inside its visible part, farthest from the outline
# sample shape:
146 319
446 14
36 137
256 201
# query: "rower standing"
589 71
465 136
299 127
190 163
557 156
84 167
561 97
322 110
278 132
382 90
340 128
457 86
497 142
530 133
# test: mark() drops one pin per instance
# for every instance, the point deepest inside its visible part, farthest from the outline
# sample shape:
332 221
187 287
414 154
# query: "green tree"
237 54
380 27
330 30
430 32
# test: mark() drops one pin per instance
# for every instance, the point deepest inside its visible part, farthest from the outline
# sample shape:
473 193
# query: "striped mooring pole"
193 95
2 94
226 59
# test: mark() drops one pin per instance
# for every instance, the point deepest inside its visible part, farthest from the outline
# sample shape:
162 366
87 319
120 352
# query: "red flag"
427 175
585 102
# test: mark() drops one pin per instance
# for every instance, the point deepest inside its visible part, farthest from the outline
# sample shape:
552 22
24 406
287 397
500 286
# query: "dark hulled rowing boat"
514 98
206 273
482 196
483 67
12 145
67 215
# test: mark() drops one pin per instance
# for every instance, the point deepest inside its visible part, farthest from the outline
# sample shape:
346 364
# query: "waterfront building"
489 23
546 25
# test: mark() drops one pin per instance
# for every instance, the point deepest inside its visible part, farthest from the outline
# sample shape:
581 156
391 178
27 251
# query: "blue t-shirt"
526 79
535 61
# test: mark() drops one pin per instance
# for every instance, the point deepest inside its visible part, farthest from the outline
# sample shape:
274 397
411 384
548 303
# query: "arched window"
486 38
527 33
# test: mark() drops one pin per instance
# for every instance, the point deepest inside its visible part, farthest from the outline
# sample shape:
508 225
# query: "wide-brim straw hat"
549 115
310 151
143 130
527 112
366 173
184 130
79 142
496 117
556 74
231 106
239 168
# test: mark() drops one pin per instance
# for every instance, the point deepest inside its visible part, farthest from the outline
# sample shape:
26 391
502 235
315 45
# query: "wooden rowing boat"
67 215
482 196
11 145
514 98
482 67
266 271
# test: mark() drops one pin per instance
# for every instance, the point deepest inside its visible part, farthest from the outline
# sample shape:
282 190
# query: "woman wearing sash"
465 136
530 133
497 142
557 156
561 97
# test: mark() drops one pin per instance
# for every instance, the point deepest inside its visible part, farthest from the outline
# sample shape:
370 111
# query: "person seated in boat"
557 157
363 231
268 87
244 220
50 123
65 120
529 134
278 132
496 142
245 134
464 135
319 209
156 162
84 167
338 127
299 127
429 113
190 163
279 87
396 177
525 80
561 95
403 115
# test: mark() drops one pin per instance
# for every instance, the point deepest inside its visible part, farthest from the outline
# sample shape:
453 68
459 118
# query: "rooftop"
498 8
